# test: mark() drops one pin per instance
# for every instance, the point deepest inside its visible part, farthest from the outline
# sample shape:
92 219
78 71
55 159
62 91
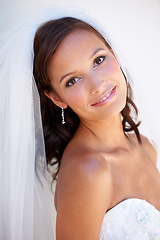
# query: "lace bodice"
132 219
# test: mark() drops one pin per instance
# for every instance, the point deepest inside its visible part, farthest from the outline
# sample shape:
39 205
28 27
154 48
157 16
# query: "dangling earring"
63 122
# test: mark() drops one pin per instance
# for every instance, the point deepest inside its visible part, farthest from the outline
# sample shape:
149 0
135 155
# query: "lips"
105 96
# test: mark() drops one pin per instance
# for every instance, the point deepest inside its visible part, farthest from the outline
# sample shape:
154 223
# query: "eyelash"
98 58
74 80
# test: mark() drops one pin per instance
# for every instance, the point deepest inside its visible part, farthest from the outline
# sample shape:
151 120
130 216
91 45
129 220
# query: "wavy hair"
57 135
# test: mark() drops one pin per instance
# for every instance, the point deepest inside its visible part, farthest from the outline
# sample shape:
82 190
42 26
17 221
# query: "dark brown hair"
56 135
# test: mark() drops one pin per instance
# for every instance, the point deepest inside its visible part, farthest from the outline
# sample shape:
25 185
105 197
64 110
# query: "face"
86 77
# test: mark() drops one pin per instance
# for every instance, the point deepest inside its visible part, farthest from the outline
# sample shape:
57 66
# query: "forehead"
79 38
74 49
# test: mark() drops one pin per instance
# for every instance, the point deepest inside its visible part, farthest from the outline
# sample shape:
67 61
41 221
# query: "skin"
101 166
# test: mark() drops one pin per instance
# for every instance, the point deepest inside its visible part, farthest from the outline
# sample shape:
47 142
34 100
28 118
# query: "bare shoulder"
87 169
90 164
85 193
91 174
149 149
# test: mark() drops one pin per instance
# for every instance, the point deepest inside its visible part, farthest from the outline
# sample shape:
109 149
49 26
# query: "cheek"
111 68
72 96
117 74
75 98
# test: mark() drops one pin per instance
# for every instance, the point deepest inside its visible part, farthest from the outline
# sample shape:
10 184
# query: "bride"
108 186
102 158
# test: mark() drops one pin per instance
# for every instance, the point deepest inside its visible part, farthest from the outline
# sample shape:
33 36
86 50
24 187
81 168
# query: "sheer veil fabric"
26 201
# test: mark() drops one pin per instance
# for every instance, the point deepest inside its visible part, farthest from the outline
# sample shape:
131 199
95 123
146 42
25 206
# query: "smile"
105 97
108 96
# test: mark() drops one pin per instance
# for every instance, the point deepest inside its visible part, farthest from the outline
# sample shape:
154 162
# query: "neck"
108 133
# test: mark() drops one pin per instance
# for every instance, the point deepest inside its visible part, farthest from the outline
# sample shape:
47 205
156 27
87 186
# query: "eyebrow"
67 74
96 51
64 76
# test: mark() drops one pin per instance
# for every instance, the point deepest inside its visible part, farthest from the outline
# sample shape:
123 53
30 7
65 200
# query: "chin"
116 109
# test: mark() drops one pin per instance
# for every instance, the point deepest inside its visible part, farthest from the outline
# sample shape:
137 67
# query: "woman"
102 167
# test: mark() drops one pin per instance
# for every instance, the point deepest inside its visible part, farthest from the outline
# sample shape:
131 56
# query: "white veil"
26 202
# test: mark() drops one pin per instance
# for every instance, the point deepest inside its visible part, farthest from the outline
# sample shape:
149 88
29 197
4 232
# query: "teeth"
105 97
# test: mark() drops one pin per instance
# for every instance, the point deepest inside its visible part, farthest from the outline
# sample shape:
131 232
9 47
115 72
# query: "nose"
97 84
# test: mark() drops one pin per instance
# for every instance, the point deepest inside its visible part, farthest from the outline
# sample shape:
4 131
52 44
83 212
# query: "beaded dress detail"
132 219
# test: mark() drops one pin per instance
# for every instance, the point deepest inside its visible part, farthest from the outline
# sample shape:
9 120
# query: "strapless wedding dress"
132 219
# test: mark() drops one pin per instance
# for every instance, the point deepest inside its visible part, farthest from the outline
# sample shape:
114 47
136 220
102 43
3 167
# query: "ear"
55 99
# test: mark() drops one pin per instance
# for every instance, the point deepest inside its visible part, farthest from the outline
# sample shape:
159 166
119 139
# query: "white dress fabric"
132 219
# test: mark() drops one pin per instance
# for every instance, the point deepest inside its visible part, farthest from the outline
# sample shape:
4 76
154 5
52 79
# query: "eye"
73 80
98 61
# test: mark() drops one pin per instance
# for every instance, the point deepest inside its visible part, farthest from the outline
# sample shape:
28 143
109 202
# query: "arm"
84 199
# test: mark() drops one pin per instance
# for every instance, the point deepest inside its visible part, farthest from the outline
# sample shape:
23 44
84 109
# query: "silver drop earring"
63 122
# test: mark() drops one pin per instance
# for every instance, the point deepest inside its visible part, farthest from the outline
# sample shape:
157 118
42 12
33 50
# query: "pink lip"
104 95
